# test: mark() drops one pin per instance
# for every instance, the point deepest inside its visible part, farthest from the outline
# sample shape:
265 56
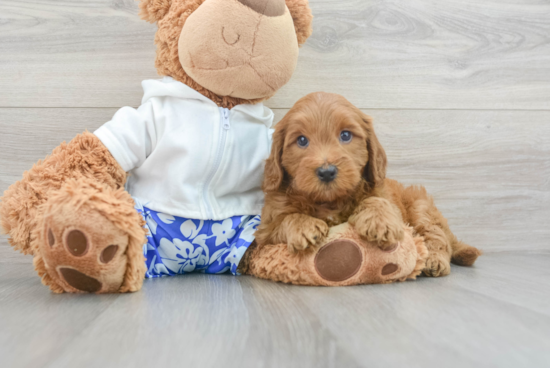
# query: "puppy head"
324 148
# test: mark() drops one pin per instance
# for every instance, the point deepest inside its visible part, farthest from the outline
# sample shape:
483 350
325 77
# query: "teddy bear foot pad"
84 251
338 260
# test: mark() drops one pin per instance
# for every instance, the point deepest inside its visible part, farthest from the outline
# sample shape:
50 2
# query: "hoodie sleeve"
130 136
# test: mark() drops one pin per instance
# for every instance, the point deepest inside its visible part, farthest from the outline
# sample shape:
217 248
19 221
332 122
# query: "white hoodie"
188 157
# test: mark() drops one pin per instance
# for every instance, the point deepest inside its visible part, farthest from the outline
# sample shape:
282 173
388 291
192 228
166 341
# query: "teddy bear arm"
135 269
84 156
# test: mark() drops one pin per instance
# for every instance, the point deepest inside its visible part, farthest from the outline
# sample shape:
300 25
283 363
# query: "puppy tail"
464 254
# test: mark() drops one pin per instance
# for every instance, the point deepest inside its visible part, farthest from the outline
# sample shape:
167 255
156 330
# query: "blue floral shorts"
176 245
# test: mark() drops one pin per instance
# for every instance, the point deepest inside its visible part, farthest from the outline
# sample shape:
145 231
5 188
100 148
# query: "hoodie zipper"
224 129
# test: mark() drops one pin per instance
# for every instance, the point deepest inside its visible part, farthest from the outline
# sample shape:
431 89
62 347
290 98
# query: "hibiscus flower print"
167 219
151 223
181 256
189 230
178 245
234 257
249 228
223 231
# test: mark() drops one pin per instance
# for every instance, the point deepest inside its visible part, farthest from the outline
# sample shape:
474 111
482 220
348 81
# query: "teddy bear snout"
241 48
269 8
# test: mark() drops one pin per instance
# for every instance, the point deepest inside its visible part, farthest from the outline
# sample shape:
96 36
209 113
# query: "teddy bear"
176 180
174 186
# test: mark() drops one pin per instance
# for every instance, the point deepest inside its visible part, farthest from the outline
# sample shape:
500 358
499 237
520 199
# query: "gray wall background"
459 90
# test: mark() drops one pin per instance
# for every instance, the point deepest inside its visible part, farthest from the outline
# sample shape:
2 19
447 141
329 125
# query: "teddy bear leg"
336 262
90 239
277 263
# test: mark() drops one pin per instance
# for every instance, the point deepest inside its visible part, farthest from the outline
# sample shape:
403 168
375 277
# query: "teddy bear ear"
153 10
301 14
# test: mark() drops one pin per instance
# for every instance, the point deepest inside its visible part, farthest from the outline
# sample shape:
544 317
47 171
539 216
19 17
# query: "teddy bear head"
231 51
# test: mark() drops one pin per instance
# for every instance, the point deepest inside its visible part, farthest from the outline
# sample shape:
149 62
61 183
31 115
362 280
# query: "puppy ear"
274 172
154 10
375 169
302 17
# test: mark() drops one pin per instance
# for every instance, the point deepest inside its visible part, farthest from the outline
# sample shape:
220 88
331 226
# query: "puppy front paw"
305 231
377 229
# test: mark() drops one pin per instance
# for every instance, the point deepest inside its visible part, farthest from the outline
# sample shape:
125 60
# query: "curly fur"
154 10
290 182
301 14
171 15
296 200
85 156
82 174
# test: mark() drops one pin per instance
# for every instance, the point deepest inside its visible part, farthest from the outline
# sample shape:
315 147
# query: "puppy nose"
270 8
327 174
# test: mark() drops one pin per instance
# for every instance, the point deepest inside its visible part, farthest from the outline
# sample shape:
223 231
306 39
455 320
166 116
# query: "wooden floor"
495 314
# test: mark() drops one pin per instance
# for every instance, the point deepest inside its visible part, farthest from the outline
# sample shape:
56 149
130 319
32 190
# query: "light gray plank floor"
495 314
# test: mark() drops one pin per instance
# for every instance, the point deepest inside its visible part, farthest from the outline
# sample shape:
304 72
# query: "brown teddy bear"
195 150
177 181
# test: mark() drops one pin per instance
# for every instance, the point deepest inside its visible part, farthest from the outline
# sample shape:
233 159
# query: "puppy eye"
345 136
302 141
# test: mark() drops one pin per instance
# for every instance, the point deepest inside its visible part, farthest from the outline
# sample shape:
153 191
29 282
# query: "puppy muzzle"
327 174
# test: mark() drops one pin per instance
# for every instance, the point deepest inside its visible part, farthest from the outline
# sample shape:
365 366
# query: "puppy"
327 167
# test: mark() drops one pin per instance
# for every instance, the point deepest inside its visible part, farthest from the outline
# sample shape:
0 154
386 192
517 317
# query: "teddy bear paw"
83 251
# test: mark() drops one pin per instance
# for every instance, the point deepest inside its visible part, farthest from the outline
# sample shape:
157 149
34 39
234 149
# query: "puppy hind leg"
439 252
462 254
428 222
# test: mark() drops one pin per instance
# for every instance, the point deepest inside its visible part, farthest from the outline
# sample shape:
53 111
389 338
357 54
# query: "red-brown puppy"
327 167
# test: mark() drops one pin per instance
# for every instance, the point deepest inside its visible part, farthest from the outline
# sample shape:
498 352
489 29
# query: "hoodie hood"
169 87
